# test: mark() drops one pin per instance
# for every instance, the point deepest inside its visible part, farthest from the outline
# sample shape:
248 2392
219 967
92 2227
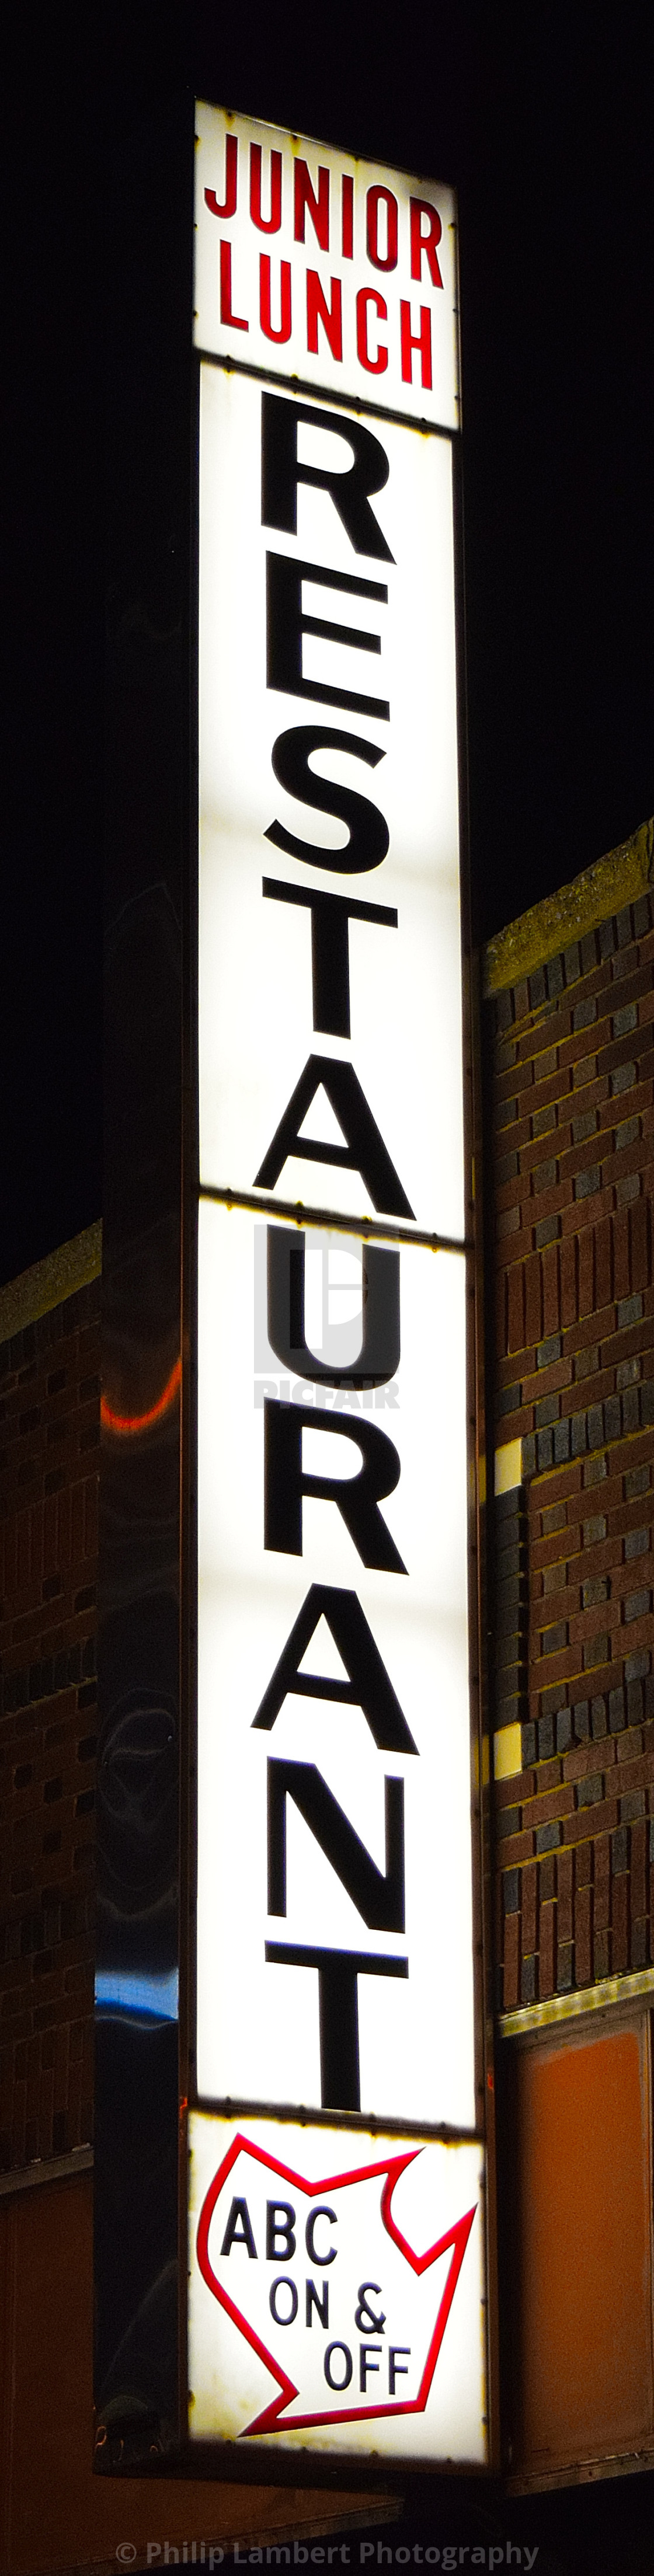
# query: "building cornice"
50 1281
548 927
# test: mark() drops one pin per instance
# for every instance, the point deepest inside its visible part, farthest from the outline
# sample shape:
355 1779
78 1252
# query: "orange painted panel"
579 2231
55 2515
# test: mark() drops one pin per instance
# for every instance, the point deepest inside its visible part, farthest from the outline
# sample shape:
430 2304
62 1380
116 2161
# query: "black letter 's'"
368 842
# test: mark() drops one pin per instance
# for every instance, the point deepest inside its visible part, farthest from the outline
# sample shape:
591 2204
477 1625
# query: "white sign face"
335 1917
333 1829
336 2290
312 265
329 932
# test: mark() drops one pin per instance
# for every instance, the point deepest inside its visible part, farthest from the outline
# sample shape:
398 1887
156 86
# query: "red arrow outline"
392 2167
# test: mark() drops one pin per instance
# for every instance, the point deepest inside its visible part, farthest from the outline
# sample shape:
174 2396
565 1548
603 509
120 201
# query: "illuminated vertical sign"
336 2155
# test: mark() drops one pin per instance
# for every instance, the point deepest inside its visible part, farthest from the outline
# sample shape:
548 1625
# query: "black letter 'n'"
378 1896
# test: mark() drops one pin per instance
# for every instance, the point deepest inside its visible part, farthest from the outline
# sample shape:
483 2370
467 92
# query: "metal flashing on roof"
547 927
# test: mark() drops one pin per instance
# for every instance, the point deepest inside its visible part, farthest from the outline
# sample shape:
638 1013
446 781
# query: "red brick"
552 1201
589 1821
584 1865
568 1272
603 1267
547 1927
64 1528
632 1343
528 1892
554 1670
591 1389
589 1095
636 983
551 1290
533 1300
517 1848
602 1903
589 1757
546 1381
547 1775
601 1859
516 1325
552 1609
547 1092
577 1338
549 1551
635 1775
586 1250
510 1793
511 1961
619 1925
564 1895
18 2125
638 1870
621 1278
509 1084
77 1525
639 1231
583 1932
91 1516
557 1027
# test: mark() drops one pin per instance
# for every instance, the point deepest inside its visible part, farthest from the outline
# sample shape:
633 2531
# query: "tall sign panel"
336 2155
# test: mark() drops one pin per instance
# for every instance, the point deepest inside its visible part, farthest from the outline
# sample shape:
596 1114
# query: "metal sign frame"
141 2419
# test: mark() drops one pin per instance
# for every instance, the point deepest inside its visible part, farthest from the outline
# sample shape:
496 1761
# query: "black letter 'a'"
281 473
378 1898
239 2230
368 1686
368 842
364 1151
357 1497
380 1314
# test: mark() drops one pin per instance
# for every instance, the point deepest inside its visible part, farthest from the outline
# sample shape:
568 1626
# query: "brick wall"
573 1118
571 1041
49 1436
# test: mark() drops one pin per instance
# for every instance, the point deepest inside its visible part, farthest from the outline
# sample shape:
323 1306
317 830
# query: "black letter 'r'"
350 492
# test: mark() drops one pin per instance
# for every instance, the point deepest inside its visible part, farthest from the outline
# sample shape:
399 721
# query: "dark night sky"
541 115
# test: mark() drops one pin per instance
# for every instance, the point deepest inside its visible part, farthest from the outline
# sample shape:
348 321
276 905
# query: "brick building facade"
569 1038
573 1119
